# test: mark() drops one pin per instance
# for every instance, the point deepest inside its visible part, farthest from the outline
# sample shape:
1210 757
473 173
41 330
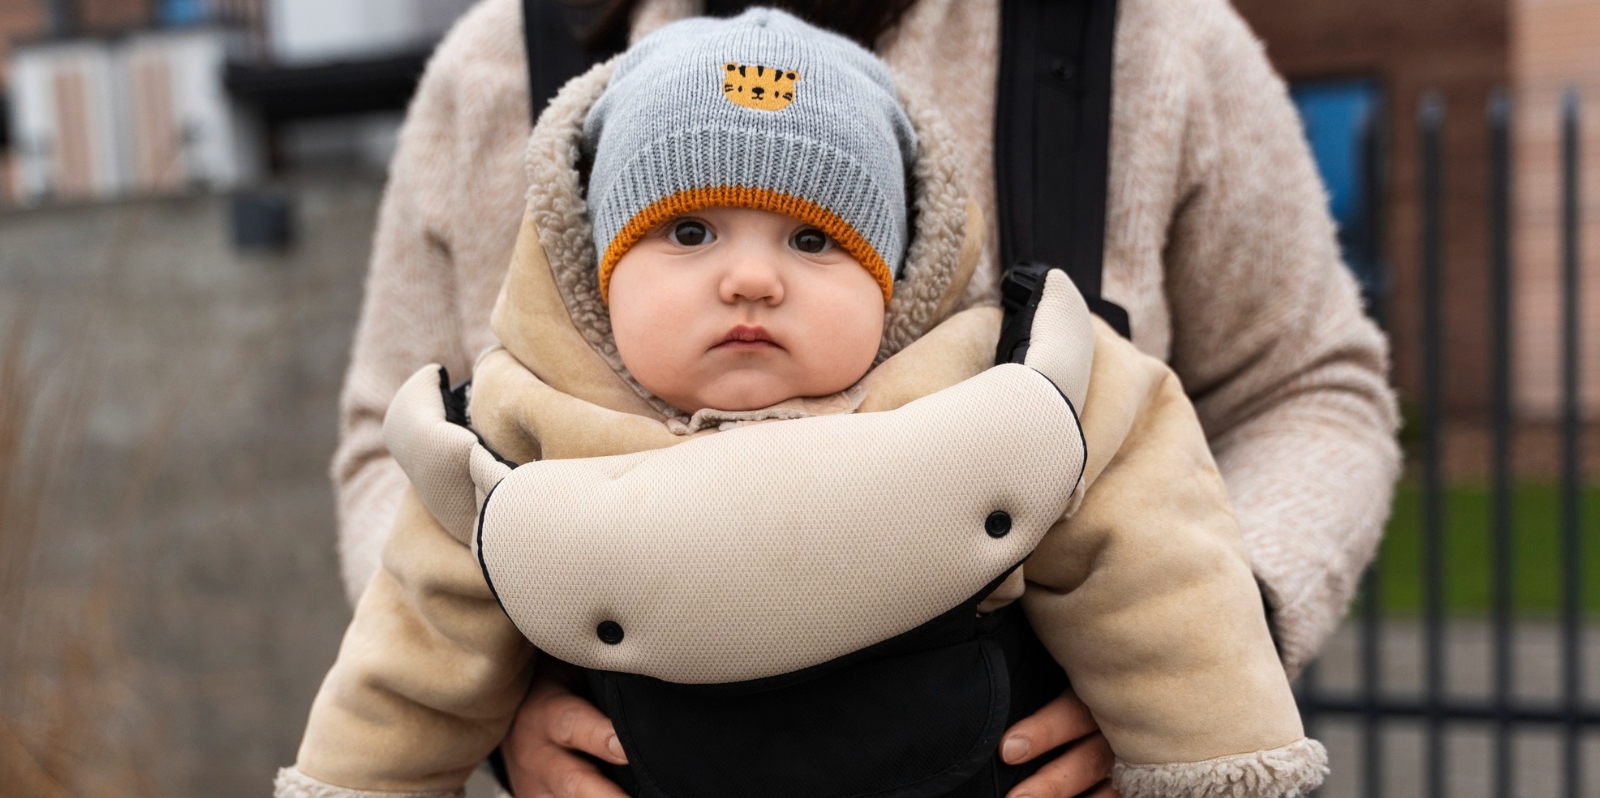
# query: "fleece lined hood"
551 316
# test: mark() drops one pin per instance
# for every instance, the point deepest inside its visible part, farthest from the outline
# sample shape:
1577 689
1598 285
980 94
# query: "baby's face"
739 309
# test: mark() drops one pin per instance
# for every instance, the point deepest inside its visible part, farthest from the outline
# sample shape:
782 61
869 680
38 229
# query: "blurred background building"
114 98
187 195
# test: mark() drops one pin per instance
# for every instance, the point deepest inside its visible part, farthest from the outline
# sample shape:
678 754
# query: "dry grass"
71 724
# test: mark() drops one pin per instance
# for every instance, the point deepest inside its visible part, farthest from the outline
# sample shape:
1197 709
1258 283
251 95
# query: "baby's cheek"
643 342
848 330
652 354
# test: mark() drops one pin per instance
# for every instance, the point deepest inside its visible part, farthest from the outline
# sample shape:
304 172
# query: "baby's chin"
747 391
735 400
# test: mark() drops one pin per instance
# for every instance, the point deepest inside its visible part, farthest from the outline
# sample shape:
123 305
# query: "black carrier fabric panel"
917 716
1053 137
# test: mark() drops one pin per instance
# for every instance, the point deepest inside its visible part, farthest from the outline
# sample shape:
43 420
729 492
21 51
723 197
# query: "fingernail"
615 747
1013 750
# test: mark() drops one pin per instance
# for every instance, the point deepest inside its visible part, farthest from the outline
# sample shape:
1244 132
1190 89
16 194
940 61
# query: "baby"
834 605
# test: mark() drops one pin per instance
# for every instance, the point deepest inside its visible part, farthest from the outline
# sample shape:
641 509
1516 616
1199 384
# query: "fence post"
1500 312
1372 684
1431 122
1571 431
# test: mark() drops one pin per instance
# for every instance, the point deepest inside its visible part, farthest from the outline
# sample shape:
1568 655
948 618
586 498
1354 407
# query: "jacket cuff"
1292 770
291 783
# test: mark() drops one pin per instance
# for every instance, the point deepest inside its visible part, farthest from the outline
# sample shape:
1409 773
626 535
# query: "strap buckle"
1019 298
1020 292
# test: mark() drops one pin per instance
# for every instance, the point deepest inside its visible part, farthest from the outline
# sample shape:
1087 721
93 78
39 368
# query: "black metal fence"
1437 710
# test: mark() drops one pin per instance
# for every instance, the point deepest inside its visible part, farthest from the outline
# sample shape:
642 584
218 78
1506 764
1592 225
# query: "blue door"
1343 123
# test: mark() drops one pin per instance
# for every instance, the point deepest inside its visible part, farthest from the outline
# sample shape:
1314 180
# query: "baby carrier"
921 713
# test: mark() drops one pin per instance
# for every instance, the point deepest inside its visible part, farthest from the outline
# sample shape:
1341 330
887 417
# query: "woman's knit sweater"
1218 244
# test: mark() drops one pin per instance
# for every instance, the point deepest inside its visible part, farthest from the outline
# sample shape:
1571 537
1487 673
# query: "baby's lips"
747 333
748 346
748 336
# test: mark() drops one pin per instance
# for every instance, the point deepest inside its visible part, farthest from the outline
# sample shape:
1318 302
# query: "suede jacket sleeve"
1145 596
428 679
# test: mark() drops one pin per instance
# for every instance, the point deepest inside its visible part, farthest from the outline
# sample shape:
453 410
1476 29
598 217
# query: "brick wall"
1461 48
1554 46
98 15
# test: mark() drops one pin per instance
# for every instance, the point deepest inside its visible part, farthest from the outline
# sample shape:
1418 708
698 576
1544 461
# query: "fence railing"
1438 710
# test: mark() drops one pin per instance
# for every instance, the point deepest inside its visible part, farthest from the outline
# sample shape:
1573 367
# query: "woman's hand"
1081 770
553 726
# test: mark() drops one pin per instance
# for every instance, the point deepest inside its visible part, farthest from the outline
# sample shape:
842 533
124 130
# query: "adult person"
1218 244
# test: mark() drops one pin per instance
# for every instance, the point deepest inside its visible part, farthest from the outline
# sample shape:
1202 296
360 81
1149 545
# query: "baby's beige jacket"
1137 583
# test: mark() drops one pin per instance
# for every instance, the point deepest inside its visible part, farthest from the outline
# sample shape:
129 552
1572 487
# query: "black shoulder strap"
556 51
1052 154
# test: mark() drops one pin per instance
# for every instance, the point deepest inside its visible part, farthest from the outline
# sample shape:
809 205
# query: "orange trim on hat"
760 199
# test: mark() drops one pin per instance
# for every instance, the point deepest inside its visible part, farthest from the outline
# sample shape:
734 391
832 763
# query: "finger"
1080 768
553 772
582 780
1055 724
571 722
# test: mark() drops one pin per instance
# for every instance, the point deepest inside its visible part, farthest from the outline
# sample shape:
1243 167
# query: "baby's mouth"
746 336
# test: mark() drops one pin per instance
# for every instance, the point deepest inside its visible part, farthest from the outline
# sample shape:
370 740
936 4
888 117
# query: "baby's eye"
690 233
811 240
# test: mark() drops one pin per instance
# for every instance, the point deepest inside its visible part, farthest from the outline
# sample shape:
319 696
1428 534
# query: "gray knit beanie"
759 111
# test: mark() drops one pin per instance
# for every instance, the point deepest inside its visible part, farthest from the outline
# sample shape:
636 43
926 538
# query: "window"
179 13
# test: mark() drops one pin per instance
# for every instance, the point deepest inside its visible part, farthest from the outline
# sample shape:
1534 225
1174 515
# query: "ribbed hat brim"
761 199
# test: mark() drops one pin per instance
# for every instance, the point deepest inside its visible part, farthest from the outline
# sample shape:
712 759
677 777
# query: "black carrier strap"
1052 154
552 32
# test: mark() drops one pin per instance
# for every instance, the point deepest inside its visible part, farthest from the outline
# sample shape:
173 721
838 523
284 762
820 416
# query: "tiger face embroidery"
763 88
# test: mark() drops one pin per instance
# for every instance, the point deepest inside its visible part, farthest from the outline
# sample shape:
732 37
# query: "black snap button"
1061 69
609 632
998 524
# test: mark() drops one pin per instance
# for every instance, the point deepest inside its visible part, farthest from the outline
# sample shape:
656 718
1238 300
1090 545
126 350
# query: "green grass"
1468 550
